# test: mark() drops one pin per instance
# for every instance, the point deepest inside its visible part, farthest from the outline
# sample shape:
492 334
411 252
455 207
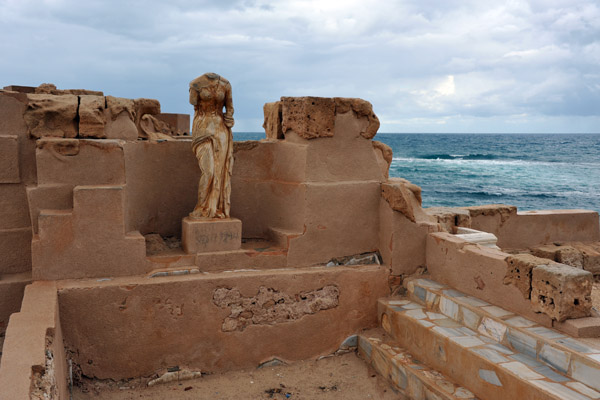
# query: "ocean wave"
458 157
482 161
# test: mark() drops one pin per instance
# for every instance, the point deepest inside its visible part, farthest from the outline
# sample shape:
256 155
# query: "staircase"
443 344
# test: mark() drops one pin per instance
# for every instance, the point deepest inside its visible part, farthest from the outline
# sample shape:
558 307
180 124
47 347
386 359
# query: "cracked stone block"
518 271
591 256
561 291
50 115
92 118
450 218
402 196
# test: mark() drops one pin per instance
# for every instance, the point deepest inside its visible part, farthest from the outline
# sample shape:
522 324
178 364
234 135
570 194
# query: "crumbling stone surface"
43 385
9 159
91 117
308 117
561 291
314 117
386 154
50 115
576 254
272 124
362 109
402 196
50 88
269 306
518 271
489 210
450 218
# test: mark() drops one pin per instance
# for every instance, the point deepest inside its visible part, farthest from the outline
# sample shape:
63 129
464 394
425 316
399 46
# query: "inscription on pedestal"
202 236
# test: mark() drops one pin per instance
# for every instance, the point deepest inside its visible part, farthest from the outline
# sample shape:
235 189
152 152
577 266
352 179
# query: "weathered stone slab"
180 122
200 236
272 124
563 254
91 117
308 117
561 292
9 159
450 218
49 115
402 196
384 156
362 109
518 271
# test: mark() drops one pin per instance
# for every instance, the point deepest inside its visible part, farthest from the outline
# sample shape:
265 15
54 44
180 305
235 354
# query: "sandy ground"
342 377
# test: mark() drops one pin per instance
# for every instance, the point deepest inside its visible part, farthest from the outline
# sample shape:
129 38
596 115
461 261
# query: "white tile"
491 355
555 357
585 374
496 311
433 316
521 370
595 357
416 314
398 302
559 390
425 323
519 322
473 301
492 328
469 318
412 306
467 341
581 388
429 283
490 377
449 308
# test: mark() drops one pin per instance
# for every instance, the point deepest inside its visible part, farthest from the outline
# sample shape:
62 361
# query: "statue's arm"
228 107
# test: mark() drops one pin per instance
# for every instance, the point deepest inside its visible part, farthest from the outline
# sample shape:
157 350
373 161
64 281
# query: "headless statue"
212 143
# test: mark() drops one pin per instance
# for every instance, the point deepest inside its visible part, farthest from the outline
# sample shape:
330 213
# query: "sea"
530 171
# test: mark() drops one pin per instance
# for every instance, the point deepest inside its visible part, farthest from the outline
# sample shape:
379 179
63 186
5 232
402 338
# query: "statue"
212 143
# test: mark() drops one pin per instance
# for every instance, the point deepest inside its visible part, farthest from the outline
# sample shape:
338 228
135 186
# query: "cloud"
424 64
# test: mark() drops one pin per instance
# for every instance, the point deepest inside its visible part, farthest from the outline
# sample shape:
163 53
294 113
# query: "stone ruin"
101 278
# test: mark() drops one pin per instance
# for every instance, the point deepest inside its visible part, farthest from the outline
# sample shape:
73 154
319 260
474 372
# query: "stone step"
572 357
408 376
477 358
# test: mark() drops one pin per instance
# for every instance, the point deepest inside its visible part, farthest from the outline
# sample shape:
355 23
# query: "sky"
472 66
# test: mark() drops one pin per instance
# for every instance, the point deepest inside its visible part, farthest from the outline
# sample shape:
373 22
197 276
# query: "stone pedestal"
209 235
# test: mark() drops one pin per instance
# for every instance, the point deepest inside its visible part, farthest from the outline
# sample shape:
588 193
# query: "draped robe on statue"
212 142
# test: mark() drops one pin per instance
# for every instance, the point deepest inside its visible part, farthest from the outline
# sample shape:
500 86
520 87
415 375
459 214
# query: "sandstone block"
384 156
49 115
362 109
272 123
50 88
15 250
9 159
518 271
201 236
402 196
91 117
180 122
563 254
450 218
120 119
89 241
80 162
561 291
591 256
580 327
48 197
308 117
20 89
14 212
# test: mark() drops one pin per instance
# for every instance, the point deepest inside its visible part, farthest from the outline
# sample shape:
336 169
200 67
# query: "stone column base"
208 235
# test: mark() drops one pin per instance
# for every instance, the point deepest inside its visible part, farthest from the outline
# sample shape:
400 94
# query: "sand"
340 377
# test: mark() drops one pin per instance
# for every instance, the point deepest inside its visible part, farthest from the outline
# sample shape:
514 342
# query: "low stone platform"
210 235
